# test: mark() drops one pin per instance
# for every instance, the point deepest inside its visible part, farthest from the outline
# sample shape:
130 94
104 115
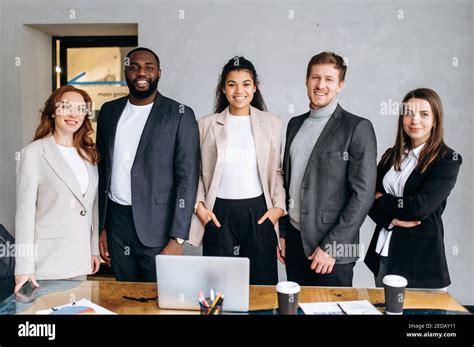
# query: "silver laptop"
181 278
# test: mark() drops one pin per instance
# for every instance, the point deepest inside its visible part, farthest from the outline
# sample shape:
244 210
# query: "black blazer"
416 253
338 186
164 173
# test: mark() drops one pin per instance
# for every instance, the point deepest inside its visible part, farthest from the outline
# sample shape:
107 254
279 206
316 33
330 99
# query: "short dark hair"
146 50
328 58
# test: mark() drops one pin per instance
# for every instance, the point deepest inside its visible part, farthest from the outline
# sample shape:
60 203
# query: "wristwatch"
179 241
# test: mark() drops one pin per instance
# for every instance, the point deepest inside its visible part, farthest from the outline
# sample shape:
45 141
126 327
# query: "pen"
214 303
216 300
344 312
203 299
212 294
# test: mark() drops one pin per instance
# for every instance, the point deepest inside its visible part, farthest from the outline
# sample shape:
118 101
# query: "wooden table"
109 294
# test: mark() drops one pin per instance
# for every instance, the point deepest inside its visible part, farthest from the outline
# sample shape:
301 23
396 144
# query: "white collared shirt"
394 184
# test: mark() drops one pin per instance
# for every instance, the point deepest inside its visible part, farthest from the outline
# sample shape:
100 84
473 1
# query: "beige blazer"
266 129
56 227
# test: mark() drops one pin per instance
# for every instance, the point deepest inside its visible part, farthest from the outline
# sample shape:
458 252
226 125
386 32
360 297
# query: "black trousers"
241 236
298 265
131 260
382 271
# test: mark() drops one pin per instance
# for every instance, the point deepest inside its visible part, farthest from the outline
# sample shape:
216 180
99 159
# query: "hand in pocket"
272 214
205 215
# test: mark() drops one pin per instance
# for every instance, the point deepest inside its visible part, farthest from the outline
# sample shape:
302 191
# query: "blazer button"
83 213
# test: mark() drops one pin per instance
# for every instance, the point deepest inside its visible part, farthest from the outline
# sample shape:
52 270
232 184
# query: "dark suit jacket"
338 186
416 253
164 173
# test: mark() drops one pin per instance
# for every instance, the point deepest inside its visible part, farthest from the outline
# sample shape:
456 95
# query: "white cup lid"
395 281
288 287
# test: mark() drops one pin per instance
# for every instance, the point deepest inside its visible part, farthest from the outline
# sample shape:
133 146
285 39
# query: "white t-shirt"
77 165
240 178
127 137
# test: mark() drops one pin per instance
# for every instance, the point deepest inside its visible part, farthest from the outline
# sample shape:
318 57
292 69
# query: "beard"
142 94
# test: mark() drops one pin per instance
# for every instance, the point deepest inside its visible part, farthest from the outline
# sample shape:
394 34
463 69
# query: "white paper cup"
394 288
288 295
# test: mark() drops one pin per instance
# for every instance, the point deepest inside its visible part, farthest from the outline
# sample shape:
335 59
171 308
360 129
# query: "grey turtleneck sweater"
300 152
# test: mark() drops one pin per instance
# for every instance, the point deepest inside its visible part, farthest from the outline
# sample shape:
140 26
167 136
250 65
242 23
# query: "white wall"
387 57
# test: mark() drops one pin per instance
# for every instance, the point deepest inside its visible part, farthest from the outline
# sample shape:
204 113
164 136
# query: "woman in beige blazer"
240 196
57 205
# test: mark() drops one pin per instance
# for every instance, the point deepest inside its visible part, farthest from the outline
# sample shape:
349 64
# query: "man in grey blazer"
148 172
330 173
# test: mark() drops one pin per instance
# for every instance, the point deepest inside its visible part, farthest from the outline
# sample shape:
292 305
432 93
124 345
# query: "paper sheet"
339 308
358 307
83 306
330 308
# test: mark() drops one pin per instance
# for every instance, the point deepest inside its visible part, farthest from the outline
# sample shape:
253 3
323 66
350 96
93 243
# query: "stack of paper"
339 307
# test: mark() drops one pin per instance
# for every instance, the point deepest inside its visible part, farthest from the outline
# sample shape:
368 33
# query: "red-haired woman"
56 216
414 179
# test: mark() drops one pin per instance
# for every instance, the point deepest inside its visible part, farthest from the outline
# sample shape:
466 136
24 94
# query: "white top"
77 165
394 183
127 137
240 178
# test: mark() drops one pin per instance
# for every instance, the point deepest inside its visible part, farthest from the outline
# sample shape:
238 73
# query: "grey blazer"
338 186
165 171
56 227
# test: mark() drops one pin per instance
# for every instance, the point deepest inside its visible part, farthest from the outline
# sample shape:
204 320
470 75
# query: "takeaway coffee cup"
394 287
288 294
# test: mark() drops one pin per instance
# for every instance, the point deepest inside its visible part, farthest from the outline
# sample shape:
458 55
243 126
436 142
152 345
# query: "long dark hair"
435 144
82 141
238 63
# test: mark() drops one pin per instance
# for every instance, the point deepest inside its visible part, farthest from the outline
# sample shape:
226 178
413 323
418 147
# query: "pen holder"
216 310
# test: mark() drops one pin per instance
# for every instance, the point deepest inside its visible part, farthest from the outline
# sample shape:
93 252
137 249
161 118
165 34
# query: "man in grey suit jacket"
148 172
330 174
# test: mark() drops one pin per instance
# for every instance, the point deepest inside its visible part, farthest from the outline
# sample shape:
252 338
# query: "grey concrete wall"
391 46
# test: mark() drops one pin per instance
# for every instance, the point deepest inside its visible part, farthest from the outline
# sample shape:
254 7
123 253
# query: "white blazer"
56 227
266 129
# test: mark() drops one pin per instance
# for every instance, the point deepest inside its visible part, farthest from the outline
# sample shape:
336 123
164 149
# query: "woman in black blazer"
414 179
